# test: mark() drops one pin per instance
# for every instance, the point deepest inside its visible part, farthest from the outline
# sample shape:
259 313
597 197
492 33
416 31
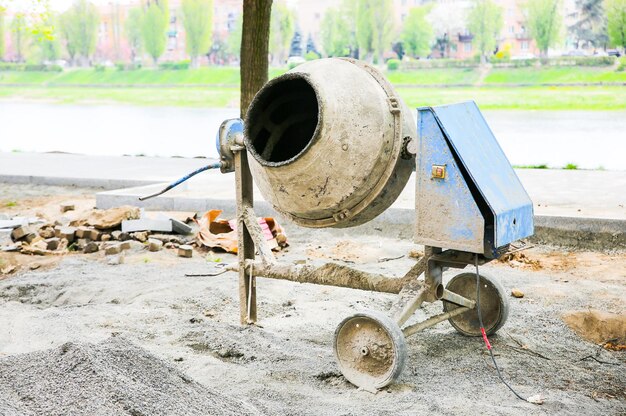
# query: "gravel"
110 377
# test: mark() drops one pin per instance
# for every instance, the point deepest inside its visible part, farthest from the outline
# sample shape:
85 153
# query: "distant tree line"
359 28
362 28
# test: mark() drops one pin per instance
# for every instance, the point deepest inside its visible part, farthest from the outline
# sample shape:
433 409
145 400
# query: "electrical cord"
482 330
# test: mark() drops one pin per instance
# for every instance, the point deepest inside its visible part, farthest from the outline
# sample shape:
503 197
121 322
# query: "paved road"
600 194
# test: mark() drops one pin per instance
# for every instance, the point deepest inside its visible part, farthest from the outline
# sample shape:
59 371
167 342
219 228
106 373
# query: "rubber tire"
399 346
503 303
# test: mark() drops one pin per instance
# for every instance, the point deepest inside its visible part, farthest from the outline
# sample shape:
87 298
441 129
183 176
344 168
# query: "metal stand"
379 358
245 249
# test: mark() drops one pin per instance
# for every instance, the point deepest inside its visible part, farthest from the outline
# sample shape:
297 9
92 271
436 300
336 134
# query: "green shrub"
10 66
311 56
622 64
99 68
571 166
578 61
439 63
393 64
176 66
120 66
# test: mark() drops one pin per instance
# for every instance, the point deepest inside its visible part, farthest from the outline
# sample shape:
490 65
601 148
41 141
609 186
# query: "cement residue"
111 377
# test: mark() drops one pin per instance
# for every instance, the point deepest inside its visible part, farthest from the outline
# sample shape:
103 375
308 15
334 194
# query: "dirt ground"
284 365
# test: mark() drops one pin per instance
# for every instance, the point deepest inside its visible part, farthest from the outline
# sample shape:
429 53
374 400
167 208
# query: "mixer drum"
328 141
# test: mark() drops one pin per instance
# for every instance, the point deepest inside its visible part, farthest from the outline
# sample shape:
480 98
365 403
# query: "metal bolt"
344 146
364 351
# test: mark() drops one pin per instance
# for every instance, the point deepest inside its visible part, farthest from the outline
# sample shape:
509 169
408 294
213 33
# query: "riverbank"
557 98
603 88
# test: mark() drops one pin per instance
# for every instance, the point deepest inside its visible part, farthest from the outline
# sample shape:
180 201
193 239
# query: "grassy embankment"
218 87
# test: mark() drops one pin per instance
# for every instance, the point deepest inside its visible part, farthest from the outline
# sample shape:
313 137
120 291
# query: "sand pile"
597 326
113 377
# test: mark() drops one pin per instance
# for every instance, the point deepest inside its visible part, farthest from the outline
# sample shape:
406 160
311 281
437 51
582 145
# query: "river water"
588 139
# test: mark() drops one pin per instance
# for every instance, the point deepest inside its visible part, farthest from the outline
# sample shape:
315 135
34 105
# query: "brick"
82 232
80 243
67 207
112 250
154 244
140 236
53 243
91 247
185 251
94 235
66 232
19 233
46 232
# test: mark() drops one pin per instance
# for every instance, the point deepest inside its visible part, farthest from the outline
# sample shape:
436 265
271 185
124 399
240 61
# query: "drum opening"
282 120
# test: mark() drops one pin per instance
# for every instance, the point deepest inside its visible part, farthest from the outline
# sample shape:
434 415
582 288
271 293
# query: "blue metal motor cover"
504 203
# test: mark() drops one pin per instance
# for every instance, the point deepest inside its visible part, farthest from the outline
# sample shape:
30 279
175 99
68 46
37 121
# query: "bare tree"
254 49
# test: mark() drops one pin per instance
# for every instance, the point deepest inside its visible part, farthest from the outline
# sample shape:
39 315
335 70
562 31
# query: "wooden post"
247 283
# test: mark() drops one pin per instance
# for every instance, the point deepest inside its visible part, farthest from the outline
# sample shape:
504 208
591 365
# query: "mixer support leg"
247 281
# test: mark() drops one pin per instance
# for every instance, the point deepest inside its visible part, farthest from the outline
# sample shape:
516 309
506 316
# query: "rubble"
154 244
125 228
218 233
66 232
112 218
140 236
147 224
516 293
53 243
67 207
185 251
19 232
113 249
91 247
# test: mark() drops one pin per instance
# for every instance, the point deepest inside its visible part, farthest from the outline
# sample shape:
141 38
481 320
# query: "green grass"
212 75
218 87
214 97
542 166
454 76
229 76
603 98
553 75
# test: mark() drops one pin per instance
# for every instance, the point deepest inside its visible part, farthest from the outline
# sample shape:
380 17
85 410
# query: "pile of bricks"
40 238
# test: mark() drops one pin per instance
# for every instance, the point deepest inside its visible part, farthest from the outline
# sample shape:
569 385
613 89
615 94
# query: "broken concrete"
185 251
154 244
147 224
91 247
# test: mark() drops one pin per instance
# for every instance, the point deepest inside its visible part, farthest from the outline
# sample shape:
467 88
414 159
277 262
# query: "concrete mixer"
331 144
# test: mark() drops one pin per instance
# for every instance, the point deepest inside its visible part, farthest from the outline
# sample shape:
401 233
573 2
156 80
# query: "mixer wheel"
494 304
370 350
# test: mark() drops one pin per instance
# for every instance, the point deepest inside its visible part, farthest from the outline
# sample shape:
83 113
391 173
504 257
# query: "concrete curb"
576 232
78 182
581 232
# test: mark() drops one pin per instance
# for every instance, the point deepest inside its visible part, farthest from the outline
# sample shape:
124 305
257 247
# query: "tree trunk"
254 49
